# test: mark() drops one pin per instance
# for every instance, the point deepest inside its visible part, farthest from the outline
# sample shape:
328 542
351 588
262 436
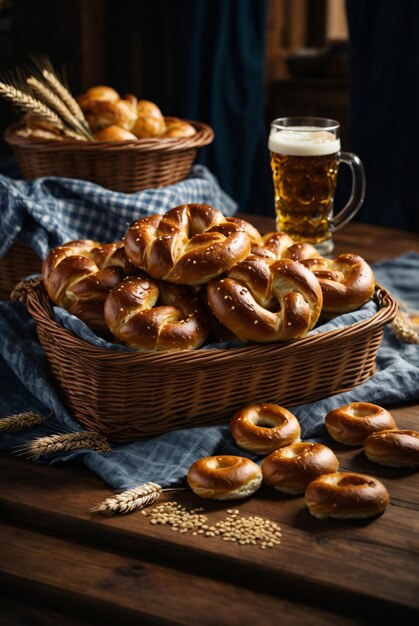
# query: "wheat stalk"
74 134
62 443
50 98
64 94
21 421
44 94
55 101
28 103
44 68
130 500
404 329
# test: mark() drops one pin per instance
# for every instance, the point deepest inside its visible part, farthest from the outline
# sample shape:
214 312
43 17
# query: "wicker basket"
130 395
18 262
125 166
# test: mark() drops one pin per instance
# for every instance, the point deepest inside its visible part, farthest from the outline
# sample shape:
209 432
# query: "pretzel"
190 244
300 251
272 246
251 231
263 301
347 281
224 477
292 468
351 424
396 448
263 428
79 275
346 495
150 315
279 245
217 332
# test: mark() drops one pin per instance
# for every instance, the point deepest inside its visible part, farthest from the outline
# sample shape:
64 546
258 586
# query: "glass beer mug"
305 157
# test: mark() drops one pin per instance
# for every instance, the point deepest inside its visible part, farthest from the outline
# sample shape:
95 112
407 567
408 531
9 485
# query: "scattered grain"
242 530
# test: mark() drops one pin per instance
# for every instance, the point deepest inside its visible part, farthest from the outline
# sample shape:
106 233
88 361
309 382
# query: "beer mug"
305 157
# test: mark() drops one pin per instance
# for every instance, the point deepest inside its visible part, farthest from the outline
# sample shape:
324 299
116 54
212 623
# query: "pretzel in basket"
79 275
263 301
190 244
279 245
347 281
155 315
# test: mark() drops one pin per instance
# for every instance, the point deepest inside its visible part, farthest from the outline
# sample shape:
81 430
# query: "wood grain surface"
61 564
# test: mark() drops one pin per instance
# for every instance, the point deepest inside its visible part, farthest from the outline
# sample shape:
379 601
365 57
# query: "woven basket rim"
33 293
203 137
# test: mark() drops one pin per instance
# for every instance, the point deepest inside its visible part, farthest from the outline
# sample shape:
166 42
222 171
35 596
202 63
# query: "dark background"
206 60
197 59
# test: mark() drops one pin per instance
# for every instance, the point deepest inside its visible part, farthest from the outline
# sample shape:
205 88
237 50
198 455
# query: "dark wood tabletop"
61 564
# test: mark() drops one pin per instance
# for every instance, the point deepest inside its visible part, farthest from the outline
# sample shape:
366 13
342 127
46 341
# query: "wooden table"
61 564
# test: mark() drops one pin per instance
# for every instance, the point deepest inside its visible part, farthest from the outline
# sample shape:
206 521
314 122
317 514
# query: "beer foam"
307 142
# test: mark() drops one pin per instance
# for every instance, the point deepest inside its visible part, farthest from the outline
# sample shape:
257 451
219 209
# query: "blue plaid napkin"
25 385
49 211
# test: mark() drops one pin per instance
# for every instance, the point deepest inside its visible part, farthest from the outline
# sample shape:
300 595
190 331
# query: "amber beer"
305 168
305 160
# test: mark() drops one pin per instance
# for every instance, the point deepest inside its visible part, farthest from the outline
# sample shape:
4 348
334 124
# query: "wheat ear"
63 443
55 102
21 421
130 500
404 329
64 94
28 103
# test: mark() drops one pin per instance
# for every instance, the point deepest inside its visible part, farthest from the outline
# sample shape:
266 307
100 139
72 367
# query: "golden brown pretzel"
188 245
217 332
272 246
396 448
150 315
300 251
346 495
263 301
262 428
250 230
279 245
347 282
224 477
351 424
79 275
292 468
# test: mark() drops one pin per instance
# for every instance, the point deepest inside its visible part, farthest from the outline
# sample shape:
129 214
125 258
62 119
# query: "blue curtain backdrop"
384 107
204 60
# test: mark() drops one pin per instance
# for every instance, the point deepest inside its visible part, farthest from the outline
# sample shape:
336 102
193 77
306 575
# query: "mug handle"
357 196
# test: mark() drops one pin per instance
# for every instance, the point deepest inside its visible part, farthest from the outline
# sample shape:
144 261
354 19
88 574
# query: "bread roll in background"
101 114
148 126
95 94
114 133
178 128
146 108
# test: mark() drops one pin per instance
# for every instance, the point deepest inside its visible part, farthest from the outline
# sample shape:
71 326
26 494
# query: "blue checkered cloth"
51 211
25 385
